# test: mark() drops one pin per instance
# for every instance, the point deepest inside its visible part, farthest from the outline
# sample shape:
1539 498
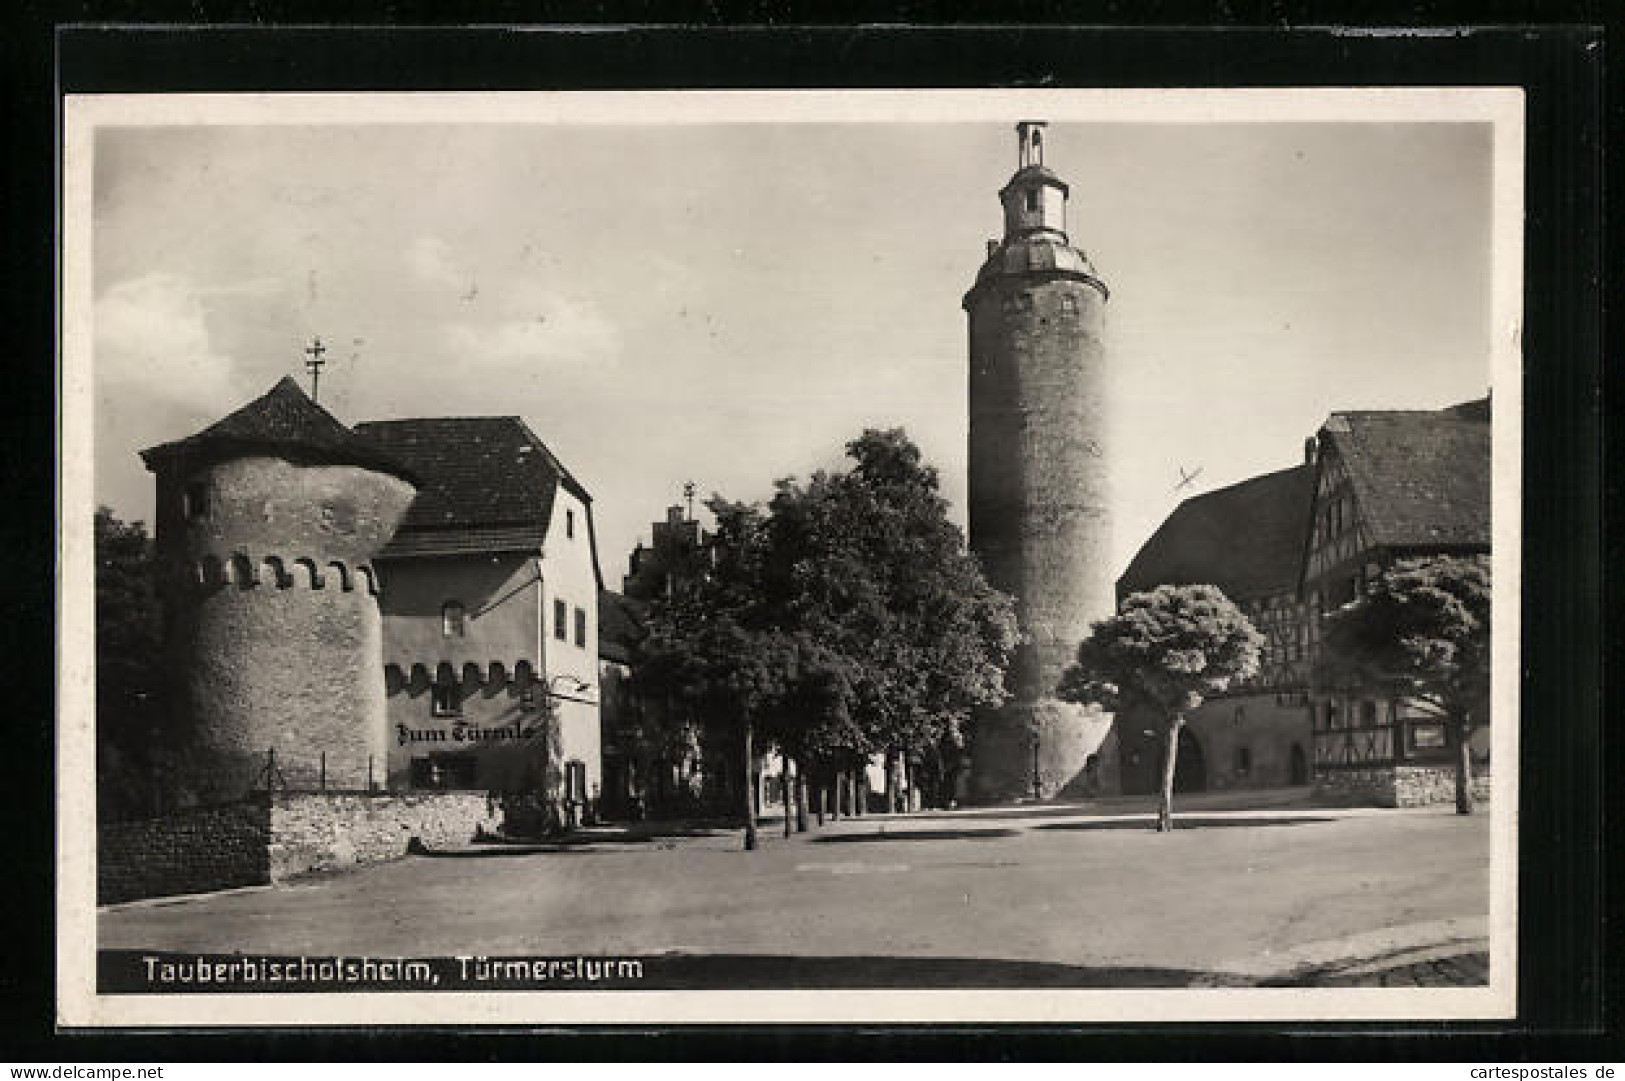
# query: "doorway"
1190 768
1300 765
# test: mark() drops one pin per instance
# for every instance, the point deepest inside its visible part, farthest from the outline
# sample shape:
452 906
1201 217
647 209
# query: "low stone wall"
317 831
1416 786
192 851
1397 786
270 839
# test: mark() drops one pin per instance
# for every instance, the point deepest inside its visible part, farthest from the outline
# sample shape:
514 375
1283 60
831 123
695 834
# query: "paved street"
1079 895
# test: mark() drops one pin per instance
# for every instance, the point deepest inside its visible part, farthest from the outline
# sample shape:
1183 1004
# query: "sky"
730 303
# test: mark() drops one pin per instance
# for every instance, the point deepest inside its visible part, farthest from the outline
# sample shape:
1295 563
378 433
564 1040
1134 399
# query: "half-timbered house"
1387 485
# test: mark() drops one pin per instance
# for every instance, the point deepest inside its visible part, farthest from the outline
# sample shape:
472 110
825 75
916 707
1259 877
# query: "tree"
1165 649
911 637
129 686
1420 631
711 640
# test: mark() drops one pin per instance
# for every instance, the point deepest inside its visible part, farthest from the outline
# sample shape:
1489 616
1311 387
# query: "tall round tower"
1038 474
267 522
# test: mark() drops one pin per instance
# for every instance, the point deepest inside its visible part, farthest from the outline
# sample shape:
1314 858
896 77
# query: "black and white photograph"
638 557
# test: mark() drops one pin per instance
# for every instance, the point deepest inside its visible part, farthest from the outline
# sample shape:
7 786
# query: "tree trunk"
787 792
1464 766
818 793
891 782
1165 811
747 793
860 792
801 799
834 789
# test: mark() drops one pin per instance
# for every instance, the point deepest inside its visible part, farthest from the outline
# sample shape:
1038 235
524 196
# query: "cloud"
527 322
430 259
152 344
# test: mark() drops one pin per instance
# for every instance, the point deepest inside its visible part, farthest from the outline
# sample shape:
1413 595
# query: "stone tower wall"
273 622
1039 512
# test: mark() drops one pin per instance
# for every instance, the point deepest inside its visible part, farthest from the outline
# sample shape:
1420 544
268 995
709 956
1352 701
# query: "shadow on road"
754 971
1183 823
916 835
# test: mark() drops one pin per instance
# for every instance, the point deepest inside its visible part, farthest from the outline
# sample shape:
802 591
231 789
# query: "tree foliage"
1419 630
129 681
1168 648
842 620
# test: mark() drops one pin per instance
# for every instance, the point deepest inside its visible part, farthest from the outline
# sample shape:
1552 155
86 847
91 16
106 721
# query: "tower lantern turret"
1035 199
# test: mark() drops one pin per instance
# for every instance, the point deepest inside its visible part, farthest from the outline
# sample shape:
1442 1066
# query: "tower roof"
1034 174
283 421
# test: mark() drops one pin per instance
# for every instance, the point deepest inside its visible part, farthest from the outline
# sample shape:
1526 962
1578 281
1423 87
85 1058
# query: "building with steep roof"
1245 539
490 610
1389 485
1288 547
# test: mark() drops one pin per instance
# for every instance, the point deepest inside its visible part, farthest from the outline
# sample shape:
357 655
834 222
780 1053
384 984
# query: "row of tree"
843 620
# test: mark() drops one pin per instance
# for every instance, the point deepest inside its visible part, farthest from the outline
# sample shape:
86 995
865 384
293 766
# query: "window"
1244 760
561 616
453 623
195 501
581 628
1032 200
445 700
1368 714
575 781
570 523
444 771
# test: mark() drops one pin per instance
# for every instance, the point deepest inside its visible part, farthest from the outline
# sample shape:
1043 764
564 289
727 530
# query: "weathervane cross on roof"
688 496
314 365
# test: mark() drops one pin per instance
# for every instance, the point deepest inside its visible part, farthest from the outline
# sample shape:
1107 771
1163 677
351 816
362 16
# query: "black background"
1554 51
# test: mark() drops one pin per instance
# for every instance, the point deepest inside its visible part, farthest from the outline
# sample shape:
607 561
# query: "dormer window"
1032 200
453 620
195 501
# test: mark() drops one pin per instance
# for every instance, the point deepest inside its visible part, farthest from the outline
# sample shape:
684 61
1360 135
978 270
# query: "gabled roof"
284 420
1420 478
1245 539
620 626
488 483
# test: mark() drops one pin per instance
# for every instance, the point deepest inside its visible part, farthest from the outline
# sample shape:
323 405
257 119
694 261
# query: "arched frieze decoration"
275 573
418 681
394 679
313 576
368 578
342 573
244 574
472 676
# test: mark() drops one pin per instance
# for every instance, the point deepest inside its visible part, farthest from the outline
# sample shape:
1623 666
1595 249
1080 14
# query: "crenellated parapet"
246 571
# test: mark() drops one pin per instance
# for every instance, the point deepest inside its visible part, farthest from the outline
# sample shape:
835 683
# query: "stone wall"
315 831
193 851
1398 786
265 840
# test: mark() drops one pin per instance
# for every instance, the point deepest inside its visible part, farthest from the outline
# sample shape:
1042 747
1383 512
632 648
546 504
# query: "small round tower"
1038 474
267 522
